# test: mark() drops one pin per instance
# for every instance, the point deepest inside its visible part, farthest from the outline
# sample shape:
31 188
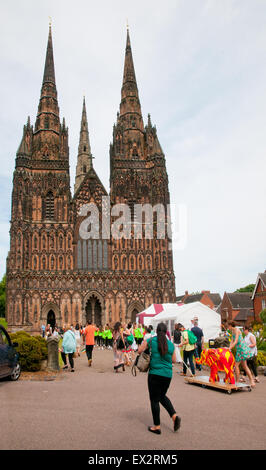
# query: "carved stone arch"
60 240
69 239
94 307
52 262
43 241
66 308
110 306
115 263
18 309
26 311
51 307
158 297
148 299
121 306
132 263
35 263
165 281
166 296
35 240
135 307
36 307
77 308
124 264
140 262
52 239
76 235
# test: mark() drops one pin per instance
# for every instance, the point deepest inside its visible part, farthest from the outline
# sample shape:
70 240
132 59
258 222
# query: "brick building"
259 295
205 297
237 306
53 274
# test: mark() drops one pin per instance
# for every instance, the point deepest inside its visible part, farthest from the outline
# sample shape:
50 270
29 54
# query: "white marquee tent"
144 317
209 320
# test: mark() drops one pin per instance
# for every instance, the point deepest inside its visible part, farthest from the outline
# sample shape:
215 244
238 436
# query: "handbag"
142 363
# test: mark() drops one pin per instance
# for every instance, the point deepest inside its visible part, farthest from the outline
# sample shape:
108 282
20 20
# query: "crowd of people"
122 339
127 340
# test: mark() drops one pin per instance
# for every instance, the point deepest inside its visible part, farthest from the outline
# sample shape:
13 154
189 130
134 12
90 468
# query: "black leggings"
70 358
251 363
158 387
89 349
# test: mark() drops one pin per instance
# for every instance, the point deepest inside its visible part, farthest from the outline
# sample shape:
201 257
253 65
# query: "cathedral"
58 273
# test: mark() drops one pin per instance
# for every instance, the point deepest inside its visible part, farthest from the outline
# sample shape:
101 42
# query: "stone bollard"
53 359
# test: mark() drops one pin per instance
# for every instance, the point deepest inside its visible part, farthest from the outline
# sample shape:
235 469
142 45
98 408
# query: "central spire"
84 161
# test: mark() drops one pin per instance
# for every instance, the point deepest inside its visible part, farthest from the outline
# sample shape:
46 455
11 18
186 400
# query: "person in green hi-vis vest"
96 336
100 334
139 334
109 337
105 334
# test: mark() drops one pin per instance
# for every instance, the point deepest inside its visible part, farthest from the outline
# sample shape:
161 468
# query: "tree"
263 316
248 288
3 297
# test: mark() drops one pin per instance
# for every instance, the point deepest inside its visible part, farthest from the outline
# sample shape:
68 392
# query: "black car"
9 358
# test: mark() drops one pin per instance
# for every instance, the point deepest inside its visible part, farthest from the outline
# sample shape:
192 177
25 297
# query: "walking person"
89 341
55 332
251 342
100 336
43 330
160 375
177 341
188 351
198 332
48 331
243 352
118 347
109 338
78 337
68 348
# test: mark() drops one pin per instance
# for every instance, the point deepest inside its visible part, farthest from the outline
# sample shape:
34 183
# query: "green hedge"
32 350
261 359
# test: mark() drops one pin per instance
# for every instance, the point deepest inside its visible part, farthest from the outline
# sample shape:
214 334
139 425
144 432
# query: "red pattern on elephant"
219 360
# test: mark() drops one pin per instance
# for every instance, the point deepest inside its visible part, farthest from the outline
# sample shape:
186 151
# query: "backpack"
120 343
130 339
192 339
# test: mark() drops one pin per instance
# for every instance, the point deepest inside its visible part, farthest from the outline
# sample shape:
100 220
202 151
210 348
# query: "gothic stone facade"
53 274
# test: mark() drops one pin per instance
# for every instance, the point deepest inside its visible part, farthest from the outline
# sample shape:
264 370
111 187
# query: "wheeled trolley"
204 382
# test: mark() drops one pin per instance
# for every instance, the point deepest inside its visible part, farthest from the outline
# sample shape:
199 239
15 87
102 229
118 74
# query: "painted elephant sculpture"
219 360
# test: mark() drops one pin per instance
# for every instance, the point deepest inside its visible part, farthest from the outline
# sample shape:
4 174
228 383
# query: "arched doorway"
94 310
51 319
133 315
134 308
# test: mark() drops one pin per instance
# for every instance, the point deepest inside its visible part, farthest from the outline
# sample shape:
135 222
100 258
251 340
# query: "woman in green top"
160 375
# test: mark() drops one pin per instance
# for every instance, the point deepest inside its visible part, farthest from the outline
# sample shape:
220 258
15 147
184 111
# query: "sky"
201 74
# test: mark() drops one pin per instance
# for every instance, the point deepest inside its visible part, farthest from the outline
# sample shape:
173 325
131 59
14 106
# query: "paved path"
94 408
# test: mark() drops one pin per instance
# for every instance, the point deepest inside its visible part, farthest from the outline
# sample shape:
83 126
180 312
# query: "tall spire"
129 71
48 110
49 73
84 160
130 109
